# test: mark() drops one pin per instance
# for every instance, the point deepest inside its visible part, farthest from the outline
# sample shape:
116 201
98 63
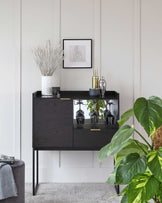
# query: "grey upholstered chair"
19 174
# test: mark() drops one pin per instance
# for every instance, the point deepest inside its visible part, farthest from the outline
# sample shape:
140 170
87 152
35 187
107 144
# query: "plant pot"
46 85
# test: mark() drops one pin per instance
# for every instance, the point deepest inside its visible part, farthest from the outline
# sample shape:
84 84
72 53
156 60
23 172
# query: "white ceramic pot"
46 85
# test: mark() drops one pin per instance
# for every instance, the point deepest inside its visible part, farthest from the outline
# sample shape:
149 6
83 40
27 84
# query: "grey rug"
72 193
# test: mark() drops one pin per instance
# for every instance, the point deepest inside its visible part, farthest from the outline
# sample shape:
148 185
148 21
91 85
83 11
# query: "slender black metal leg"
117 187
37 168
33 172
35 187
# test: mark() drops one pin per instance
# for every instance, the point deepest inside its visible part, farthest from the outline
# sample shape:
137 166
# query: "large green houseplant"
137 164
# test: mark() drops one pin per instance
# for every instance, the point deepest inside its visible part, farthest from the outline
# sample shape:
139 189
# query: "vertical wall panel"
116 48
55 19
77 21
8 26
151 47
38 26
77 159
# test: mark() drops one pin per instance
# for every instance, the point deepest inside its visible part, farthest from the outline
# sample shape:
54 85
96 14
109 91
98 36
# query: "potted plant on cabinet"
138 165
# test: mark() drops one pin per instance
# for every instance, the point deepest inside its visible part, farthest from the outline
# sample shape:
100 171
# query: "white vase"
46 85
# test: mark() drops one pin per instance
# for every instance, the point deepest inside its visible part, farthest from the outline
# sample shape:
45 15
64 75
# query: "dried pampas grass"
48 58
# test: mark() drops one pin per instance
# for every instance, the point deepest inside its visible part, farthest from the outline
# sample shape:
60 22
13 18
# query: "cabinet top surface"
78 95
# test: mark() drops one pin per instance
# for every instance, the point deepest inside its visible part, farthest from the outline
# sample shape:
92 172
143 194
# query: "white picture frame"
77 53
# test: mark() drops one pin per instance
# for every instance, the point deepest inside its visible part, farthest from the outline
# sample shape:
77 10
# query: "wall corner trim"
97 35
17 103
137 49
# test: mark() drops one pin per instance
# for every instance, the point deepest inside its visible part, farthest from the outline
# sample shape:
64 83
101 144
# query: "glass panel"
95 112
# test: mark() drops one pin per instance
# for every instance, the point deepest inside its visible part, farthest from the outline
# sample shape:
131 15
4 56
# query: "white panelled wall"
127 50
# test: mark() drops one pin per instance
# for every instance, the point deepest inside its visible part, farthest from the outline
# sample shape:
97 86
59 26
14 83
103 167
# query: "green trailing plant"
137 164
98 106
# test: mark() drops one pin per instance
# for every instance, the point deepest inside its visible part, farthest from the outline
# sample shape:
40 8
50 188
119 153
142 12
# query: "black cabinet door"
93 138
52 123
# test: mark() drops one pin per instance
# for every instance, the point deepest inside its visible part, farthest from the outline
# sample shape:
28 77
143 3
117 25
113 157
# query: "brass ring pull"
95 129
65 99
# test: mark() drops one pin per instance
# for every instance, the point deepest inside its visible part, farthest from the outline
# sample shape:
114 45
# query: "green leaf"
125 117
159 193
102 117
101 110
155 163
156 100
149 113
112 177
124 198
142 188
123 131
125 190
160 151
133 146
131 165
117 143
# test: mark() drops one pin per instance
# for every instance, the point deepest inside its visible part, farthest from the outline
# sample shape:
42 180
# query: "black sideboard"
55 126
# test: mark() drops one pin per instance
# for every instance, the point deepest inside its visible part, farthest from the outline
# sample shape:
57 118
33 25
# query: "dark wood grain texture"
52 123
55 129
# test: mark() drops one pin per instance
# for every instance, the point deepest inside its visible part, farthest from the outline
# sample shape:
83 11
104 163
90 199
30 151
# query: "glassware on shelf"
106 113
109 118
93 112
102 85
94 117
80 118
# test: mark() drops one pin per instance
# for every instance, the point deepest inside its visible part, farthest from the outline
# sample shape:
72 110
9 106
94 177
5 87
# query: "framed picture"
77 53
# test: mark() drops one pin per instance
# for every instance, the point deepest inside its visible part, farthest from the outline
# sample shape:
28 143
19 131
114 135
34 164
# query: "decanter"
102 85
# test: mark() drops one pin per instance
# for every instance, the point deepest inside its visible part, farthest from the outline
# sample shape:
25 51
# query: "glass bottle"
95 80
102 86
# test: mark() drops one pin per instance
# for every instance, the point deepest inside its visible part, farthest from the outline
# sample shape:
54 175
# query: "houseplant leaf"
149 113
124 192
125 117
156 100
142 188
124 198
112 177
133 146
160 151
131 165
159 194
117 143
155 163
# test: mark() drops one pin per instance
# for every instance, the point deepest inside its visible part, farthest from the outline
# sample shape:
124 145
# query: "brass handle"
95 129
65 99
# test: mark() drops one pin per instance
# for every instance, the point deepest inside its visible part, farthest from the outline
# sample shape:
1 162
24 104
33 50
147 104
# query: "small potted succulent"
138 165
48 58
